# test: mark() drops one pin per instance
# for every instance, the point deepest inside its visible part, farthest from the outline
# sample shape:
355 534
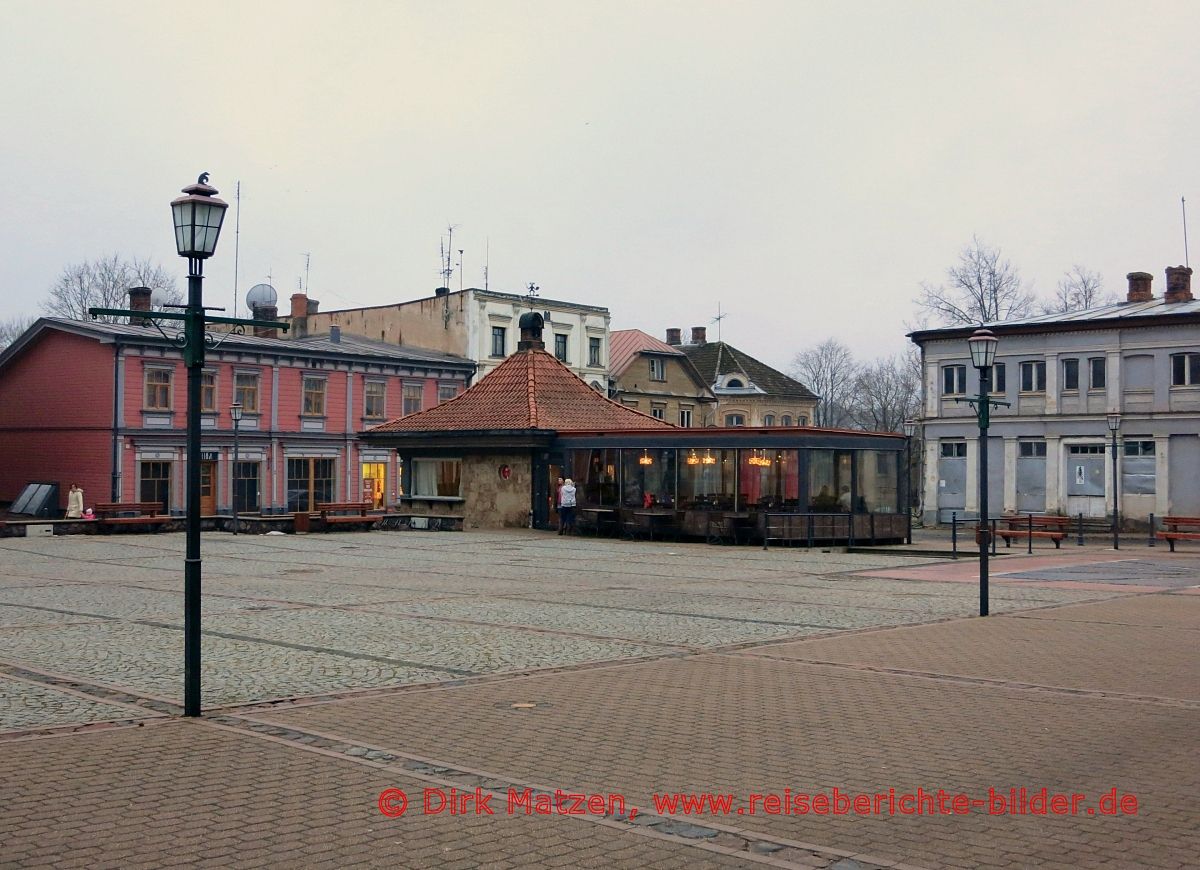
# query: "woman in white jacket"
75 503
566 508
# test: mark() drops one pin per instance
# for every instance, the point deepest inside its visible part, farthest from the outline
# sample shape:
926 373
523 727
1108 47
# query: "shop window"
310 481
245 487
440 478
154 483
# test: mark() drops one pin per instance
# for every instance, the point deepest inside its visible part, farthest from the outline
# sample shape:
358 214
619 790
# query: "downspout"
116 450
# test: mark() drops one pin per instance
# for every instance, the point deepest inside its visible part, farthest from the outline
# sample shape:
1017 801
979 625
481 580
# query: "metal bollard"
992 531
1151 539
954 534
1029 544
1079 530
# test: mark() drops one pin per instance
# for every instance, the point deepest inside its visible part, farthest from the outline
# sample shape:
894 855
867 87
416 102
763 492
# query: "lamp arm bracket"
212 342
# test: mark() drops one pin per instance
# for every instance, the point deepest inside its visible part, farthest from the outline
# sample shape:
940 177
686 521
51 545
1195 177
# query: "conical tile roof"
529 390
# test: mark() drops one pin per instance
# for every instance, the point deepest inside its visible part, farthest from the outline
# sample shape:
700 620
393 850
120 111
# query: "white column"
972 482
1112 379
1054 499
930 502
1162 469
1051 382
1010 474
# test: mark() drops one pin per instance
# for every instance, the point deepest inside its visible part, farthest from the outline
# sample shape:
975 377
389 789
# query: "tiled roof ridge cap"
531 394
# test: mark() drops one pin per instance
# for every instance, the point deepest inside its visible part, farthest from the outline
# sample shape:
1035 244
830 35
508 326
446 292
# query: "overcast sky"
803 165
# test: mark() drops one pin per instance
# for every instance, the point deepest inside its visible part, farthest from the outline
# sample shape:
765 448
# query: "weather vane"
532 294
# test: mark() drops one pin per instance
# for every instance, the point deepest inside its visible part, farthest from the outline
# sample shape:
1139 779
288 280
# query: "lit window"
412 398
954 380
1033 377
208 391
658 369
314 396
245 390
374 395
158 389
1185 370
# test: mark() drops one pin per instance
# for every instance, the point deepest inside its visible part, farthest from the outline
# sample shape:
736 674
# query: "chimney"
139 300
442 291
673 336
1139 287
698 335
265 312
1179 284
312 307
335 334
299 315
531 332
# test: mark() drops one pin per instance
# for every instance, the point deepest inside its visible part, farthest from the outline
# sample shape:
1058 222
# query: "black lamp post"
983 354
197 215
910 429
235 413
1114 424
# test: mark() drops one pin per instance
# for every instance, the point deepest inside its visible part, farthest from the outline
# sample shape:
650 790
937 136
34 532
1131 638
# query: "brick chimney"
699 334
1139 287
299 315
266 312
531 324
139 300
673 336
313 305
1179 284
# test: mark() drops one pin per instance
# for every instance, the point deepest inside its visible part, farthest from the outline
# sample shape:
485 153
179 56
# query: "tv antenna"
1183 204
447 252
307 263
717 320
460 277
487 256
237 232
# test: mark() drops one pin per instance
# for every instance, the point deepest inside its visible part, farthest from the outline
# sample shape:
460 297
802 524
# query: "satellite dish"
261 295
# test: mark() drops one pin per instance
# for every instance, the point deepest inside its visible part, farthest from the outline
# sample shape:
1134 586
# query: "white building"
1050 451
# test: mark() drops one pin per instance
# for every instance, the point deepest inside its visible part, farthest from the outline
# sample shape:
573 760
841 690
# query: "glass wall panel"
707 479
649 478
878 476
770 479
829 481
595 475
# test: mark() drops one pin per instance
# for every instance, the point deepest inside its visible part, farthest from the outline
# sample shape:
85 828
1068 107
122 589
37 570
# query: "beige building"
653 377
748 392
480 325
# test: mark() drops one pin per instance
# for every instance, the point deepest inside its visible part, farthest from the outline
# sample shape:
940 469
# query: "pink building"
103 405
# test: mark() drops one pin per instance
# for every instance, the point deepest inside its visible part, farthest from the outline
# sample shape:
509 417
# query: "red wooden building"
103 405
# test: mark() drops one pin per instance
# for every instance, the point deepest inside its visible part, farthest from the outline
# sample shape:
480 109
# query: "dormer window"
734 384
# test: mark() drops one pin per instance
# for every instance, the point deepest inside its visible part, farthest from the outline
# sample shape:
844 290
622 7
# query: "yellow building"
657 379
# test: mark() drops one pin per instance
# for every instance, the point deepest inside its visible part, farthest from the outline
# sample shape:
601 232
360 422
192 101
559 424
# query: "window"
437 477
801 421
1139 448
954 380
245 487
498 340
735 419
154 483
954 449
630 403
1185 369
658 369
208 391
1096 373
685 417
446 392
594 352
245 390
1033 377
785 420
158 390
1070 375
1031 449
1086 449
374 395
734 384
314 396
309 483
560 347
769 420
412 398
999 383
658 411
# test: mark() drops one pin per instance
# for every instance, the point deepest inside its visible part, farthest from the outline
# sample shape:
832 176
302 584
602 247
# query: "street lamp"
235 412
910 429
982 344
197 216
1114 423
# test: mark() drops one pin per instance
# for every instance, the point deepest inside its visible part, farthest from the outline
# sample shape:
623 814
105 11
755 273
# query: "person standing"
566 507
75 503
558 503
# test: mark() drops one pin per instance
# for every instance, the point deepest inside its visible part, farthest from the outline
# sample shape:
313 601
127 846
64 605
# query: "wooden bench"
346 513
1179 529
117 514
1023 528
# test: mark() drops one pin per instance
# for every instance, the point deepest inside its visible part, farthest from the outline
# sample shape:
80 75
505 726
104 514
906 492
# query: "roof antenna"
1183 203
717 320
460 280
307 263
237 232
487 255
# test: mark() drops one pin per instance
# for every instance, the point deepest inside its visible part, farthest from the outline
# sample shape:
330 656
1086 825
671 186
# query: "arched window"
801 421
734 383
786 420
769 420
735 419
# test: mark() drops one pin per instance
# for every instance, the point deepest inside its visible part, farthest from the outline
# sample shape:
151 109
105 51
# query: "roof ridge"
531 395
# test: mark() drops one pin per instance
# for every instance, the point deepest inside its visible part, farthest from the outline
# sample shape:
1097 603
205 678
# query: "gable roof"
531 390
625 345
716 358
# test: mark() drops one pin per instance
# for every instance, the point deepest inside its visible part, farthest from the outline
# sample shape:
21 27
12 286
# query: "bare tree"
981 287
829 370
887 392
104 283
12 328
1078 289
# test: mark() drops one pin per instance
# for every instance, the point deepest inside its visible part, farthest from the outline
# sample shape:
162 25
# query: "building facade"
481 325
104 406
1062 375
747 392
651 376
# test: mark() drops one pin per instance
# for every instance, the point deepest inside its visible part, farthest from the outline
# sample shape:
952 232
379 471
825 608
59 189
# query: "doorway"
208 490
374 482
